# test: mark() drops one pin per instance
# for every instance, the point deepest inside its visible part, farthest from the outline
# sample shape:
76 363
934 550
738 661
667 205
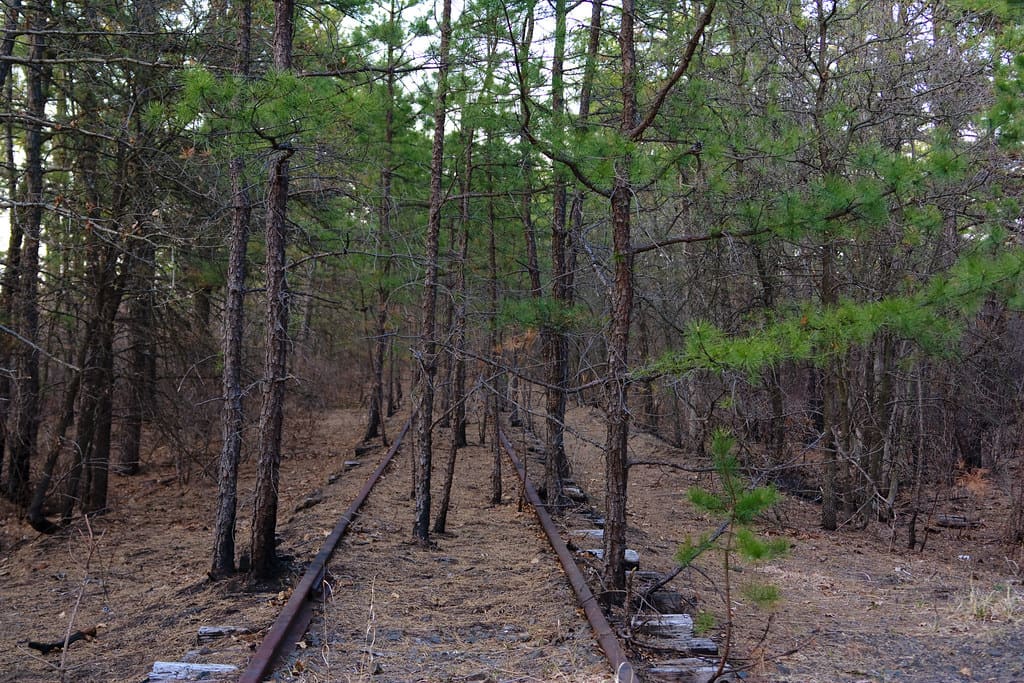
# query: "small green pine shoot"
763 595
703 622
740 506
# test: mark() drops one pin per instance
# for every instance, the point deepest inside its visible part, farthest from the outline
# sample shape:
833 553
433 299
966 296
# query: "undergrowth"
738 505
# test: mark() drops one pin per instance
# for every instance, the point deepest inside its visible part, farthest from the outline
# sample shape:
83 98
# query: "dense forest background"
797 220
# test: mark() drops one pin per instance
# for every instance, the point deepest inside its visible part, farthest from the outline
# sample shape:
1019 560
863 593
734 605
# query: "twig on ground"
91 544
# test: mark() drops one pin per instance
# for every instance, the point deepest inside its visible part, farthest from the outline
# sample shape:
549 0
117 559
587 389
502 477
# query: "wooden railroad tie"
190 671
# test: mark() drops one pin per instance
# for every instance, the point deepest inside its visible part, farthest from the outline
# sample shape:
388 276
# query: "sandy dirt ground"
856 604
140 570
488 602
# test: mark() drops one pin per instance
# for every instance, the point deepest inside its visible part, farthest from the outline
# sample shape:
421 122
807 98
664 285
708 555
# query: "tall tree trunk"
460 302
879 431
141 377
264 523
375 416
632 128
833 402
458 369
105 283
492 402
553 337
98 456
594 33
375 410
8 283
87 481
233 338
617 380
446 359
232 413
831 410
22 442
142 356
771 377
428 330
11 19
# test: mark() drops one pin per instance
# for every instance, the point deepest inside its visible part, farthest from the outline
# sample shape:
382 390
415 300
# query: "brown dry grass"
488 603
857 605
147 582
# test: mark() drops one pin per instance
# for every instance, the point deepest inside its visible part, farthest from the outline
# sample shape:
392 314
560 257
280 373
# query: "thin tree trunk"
617 389
9 282
771 377
375 410
22 441
375 423
553 337
232 413
493 400
617 381
98 460
594 33
233 339
445 362
428 330
459 298
141 377
87 481
10 37
264 524
143 361
830 413
36 518
458 367
96 415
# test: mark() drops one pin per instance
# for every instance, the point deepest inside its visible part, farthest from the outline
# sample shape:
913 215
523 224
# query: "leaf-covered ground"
856 605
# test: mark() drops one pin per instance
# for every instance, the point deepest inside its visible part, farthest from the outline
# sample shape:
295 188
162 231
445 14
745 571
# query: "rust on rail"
298 611
606 637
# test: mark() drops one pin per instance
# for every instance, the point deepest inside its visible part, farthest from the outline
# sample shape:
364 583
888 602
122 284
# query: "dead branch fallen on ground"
957 522
46 648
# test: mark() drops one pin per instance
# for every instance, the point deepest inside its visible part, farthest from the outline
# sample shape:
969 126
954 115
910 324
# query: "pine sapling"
739 506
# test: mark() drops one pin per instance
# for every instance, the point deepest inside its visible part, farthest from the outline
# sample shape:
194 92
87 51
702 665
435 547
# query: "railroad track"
325 581
295 616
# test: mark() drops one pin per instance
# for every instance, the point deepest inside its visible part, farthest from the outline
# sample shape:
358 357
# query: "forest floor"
856 604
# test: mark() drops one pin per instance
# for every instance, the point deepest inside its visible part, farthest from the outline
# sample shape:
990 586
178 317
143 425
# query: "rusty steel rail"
606 638
294 619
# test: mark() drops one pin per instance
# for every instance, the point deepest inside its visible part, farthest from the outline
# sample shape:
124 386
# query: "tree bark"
142 362
375 414
9 281
141 377
553 337
617 380
631 129
232 341
22 441
264 524
493 401
428 330
458 362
